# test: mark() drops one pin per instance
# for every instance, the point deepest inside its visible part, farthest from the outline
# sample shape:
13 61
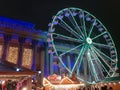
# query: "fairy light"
24 88
17 69
39 72
12 55
46 82
101 84
3 82
105 83
67 79
67 86
110 83
27 57
114 83
119 82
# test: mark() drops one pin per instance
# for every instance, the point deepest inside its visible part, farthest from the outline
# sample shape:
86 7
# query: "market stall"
56 82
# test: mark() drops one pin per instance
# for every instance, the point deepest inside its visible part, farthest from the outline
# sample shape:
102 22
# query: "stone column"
51 64
7 38
35 45
68 62
78 66
21 42
42 65
47 62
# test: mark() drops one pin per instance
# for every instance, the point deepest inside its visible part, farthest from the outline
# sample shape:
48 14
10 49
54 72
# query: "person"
0 87
110 88
104 88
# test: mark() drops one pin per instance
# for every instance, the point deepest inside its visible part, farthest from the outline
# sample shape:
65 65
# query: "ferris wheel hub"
89 40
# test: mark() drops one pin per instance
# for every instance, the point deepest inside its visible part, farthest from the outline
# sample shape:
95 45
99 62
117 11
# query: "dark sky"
41 11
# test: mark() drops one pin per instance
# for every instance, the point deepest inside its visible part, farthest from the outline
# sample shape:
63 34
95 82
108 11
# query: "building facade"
24 47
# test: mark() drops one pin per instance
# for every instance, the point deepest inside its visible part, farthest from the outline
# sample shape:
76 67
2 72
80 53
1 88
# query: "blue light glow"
17 69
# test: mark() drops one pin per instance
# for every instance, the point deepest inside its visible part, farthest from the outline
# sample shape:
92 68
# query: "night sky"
40 12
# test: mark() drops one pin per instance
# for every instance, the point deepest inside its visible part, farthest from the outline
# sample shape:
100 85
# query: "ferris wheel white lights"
88 39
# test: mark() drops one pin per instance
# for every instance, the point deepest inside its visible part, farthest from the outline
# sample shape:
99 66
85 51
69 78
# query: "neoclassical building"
24 52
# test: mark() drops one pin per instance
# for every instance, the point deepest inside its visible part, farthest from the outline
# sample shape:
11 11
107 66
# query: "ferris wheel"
76 32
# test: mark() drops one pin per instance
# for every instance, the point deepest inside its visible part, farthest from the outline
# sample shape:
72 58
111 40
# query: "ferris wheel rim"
88 40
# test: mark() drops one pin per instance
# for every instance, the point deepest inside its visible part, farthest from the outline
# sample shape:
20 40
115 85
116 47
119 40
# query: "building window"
1 50
27 58
12 55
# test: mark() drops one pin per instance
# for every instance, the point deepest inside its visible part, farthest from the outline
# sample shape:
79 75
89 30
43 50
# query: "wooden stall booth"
56 82
111 83
12 78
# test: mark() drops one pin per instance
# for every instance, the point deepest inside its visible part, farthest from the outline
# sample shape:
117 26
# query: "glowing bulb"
3 82
109 83
114 83
39 72
24 88
119 82
17 69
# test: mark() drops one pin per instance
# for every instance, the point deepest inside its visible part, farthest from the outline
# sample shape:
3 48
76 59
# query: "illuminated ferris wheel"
79 32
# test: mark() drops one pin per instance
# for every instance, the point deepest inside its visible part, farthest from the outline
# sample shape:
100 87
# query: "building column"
35 46
7 38
51 63
78 66
60 67
47 62
68 63
42 66
21 42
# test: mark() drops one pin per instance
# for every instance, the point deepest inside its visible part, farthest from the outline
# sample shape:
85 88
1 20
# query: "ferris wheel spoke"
102 45
71 50
81 59
75 24
59 36
80 53
69 29
92 64
84 26
90 71
99 35
104 54
97 52
96 59
93 71
91 29
60 58
93 52
104 67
